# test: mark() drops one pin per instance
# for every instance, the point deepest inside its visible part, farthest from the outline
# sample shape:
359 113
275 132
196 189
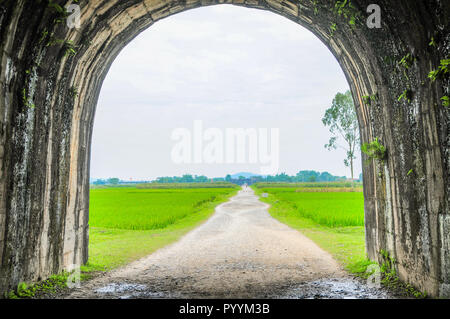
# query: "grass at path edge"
113 248
345 244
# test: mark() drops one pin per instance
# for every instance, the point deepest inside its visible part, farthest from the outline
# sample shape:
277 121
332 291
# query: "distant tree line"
108 181
300 177
187 178
306 176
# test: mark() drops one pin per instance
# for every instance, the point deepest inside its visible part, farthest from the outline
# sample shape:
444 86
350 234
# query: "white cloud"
230 67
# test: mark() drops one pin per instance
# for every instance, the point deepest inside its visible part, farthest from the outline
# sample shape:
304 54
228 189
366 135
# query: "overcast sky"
229 67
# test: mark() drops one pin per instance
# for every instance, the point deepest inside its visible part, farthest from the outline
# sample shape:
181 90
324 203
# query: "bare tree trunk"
351 169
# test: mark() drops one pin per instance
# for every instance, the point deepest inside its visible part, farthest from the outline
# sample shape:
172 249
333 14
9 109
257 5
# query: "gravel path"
240 252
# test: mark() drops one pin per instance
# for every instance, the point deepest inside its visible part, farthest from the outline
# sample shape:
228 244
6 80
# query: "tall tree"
343 124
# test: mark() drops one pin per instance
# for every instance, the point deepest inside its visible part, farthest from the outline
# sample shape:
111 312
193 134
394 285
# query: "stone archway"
51 75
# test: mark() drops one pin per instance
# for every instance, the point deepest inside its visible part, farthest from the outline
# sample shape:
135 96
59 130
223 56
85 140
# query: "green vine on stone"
445 101
374 150
405 64
73 91
388 262
26 101
407 61
67 45
333 29
406 95
443 69
69 48
432 42
346 9
62 13
316 9
50 285
391 279
52 5
368 99
44 34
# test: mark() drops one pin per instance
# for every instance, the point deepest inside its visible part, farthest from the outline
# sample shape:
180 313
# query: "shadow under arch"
44 190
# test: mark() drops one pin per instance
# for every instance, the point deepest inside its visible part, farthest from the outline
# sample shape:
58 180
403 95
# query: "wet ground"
321 289
240 252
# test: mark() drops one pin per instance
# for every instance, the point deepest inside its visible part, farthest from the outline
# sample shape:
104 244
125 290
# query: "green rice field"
308 185
332 209
144 209
186 185
128 223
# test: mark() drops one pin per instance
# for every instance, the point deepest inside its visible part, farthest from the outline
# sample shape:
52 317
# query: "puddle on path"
127 291
335 289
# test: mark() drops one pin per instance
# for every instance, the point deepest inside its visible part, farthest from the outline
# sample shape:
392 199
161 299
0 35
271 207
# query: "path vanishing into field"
240 252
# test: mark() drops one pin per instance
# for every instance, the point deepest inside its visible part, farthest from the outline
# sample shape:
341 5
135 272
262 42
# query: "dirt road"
240 252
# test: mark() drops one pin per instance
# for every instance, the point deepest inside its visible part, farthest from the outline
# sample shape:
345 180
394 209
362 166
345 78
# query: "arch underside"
44 190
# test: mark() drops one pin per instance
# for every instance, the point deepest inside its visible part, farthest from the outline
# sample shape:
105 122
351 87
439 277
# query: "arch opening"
234 98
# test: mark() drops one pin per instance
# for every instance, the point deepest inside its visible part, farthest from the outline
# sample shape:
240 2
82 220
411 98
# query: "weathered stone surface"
45 149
